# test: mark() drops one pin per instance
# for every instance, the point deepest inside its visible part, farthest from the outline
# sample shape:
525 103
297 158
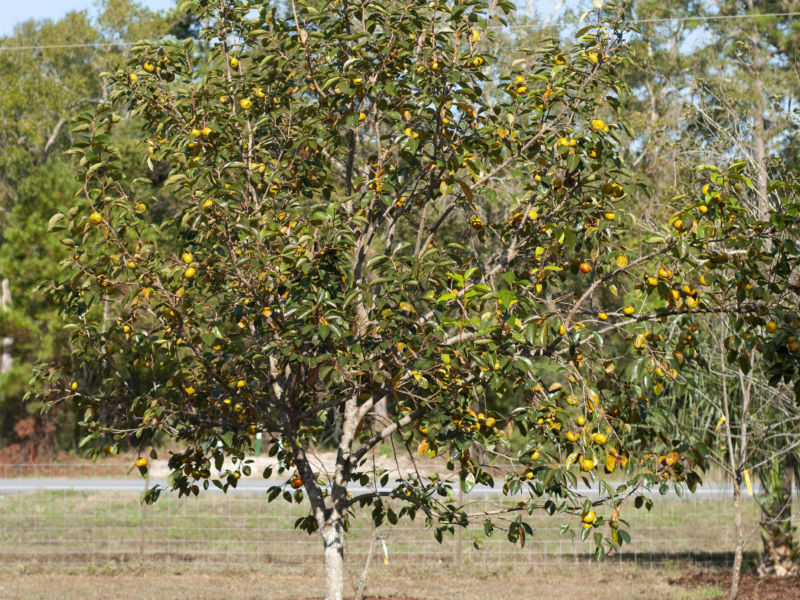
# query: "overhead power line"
95 45
625 21
664 20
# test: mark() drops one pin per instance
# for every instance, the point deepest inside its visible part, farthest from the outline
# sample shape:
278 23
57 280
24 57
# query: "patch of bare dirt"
371 598
751 587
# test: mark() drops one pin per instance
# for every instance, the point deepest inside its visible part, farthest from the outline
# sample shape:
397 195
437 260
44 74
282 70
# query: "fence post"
142 509
460 529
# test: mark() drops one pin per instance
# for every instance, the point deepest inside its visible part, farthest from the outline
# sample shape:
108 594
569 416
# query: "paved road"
256 486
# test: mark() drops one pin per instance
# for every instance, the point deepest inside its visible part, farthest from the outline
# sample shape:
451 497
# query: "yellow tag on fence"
747 482
719 424
385 553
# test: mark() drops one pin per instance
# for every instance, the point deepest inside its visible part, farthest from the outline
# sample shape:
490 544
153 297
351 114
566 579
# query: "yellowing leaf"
466 189
423 447
611 463
571 459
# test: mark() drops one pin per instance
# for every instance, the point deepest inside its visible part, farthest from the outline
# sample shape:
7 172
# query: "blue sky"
15 11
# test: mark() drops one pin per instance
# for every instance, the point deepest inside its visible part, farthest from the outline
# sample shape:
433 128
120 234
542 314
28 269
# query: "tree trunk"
738 555
333 538
779 553
5 305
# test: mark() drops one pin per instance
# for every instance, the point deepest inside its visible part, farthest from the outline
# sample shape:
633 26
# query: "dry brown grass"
441 583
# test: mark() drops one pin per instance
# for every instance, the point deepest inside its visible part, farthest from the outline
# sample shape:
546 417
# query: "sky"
16 11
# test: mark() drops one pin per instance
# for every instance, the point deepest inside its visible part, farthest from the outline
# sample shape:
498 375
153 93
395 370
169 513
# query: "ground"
621 582
752 587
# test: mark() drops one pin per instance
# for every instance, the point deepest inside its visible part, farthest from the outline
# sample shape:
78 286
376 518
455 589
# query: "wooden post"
460 529
360 591
141 526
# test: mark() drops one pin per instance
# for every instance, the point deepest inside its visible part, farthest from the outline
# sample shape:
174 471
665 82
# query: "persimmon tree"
361 225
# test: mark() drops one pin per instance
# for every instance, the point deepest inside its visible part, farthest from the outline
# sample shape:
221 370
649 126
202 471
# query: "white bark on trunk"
6 360
333 538
5 305
5 296
739 554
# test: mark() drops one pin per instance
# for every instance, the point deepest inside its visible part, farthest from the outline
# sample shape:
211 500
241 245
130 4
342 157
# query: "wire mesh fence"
59 517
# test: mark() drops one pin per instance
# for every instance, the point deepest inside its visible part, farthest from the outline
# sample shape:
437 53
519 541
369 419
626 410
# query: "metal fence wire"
91 515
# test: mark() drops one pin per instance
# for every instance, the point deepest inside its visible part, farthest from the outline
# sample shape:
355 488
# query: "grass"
63 528
622 582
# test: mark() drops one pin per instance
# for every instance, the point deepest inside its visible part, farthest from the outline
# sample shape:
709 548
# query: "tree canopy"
360 222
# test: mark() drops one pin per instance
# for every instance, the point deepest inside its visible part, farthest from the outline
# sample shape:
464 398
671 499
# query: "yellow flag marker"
747 482
719 424
386 552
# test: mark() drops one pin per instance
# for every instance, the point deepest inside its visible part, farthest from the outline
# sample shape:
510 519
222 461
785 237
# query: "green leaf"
468 483
655 239
55 220
173 179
